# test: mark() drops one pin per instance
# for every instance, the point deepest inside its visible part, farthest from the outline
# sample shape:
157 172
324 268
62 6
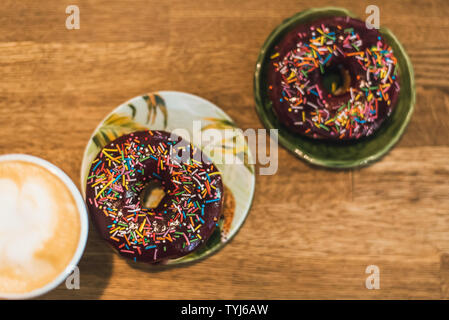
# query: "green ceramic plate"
333 154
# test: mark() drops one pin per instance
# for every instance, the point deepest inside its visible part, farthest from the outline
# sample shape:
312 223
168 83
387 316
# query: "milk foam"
39 227
30 220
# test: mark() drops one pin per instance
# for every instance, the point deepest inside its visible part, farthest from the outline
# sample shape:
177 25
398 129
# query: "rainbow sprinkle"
186 215
307 101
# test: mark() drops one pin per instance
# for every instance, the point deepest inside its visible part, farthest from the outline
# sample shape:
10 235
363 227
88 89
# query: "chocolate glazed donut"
185 217
333 79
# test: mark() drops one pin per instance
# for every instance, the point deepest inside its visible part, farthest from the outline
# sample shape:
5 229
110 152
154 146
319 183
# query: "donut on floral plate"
153 196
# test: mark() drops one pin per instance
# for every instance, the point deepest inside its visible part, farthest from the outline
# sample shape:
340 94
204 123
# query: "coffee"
39 226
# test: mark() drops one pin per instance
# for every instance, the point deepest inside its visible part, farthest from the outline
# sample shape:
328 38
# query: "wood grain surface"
311 232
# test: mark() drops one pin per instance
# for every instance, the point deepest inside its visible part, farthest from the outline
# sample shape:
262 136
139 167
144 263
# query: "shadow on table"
156 268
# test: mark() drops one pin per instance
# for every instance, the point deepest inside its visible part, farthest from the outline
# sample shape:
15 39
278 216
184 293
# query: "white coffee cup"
84 225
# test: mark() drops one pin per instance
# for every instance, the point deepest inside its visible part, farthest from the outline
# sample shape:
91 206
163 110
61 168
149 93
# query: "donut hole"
152 194
336 79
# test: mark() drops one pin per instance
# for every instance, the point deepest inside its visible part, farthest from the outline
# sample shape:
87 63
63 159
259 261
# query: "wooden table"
311 232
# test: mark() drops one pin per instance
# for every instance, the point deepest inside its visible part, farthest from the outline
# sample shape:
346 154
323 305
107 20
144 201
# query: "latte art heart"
31 218
39 227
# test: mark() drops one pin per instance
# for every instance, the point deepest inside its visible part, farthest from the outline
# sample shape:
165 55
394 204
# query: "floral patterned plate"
170 111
